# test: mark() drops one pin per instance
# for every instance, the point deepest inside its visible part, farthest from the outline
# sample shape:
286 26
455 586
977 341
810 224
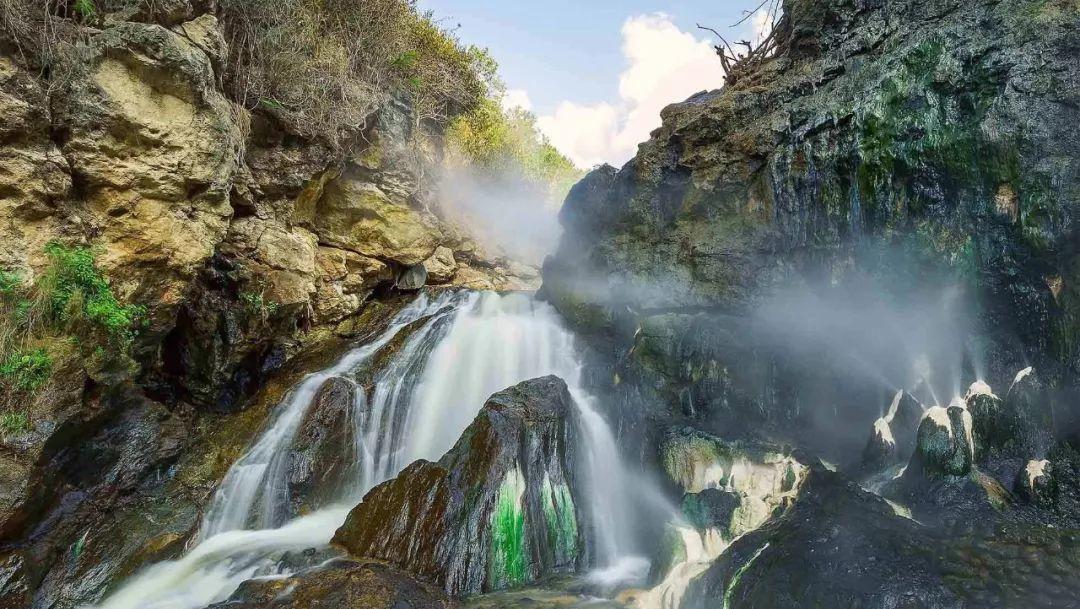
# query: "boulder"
412 278
498 510
759 477
441 266
1036 483
944 443
321 451
341 584
893 438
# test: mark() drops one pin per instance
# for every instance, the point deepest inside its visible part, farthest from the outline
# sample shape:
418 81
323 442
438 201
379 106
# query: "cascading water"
460 348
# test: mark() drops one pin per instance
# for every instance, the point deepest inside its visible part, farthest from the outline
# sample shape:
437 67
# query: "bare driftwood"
745 57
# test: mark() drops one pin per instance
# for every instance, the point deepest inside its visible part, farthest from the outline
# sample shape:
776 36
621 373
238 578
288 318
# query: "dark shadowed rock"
320 454
342 584
893 437
943 445
498 510
712 508
840 546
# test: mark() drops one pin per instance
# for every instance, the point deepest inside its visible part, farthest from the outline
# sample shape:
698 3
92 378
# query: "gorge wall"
891 159
246 241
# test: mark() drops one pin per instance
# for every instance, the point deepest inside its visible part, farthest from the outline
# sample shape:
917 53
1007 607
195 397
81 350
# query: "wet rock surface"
319 459
341 584
498 510
877 144
839 546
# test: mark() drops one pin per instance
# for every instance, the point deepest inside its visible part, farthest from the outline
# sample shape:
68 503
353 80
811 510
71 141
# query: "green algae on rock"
497 511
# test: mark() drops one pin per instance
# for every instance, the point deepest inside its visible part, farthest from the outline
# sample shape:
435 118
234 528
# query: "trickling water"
461 347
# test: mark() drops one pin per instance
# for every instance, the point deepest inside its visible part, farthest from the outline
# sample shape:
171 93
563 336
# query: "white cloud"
664 65
516 98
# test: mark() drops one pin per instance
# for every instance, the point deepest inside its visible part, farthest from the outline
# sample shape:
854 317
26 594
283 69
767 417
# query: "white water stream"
470 346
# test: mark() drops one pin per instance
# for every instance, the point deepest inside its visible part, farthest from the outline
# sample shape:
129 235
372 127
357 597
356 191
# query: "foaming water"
458 348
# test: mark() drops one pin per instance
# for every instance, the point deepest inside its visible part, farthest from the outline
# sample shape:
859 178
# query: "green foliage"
506 144
85 9
256 305
76 291
25 371
326 65
69 312
14 422
10 285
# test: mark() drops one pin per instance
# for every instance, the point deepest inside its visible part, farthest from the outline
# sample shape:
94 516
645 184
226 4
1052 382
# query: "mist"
507 214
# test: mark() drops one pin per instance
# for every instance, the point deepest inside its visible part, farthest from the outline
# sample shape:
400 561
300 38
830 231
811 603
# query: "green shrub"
25 371
85 9
77 292
323 66
10 285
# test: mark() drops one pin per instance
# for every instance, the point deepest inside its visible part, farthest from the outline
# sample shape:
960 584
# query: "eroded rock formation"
499 510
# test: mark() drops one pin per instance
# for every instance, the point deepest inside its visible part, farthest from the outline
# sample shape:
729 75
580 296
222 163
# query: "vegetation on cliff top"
502 144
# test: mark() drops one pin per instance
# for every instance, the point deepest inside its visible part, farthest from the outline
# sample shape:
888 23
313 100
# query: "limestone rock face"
156 147
357 215
35 178
498 510
441 266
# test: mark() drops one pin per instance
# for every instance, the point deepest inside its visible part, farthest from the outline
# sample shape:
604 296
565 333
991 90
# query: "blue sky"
596 72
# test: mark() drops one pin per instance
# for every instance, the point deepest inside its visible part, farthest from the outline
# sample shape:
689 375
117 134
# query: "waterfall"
468 346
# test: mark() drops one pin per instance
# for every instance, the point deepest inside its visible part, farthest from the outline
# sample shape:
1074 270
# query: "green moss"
730 591
558 506
508 564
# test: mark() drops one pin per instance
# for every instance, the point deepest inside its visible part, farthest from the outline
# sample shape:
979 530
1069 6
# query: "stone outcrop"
840 546
341 584
499 510
322 451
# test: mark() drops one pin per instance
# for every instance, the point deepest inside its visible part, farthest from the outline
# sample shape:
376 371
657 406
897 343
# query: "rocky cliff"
242 240
884 210
917 154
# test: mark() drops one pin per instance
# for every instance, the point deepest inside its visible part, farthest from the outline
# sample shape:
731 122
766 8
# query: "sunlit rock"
498 510
441 266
